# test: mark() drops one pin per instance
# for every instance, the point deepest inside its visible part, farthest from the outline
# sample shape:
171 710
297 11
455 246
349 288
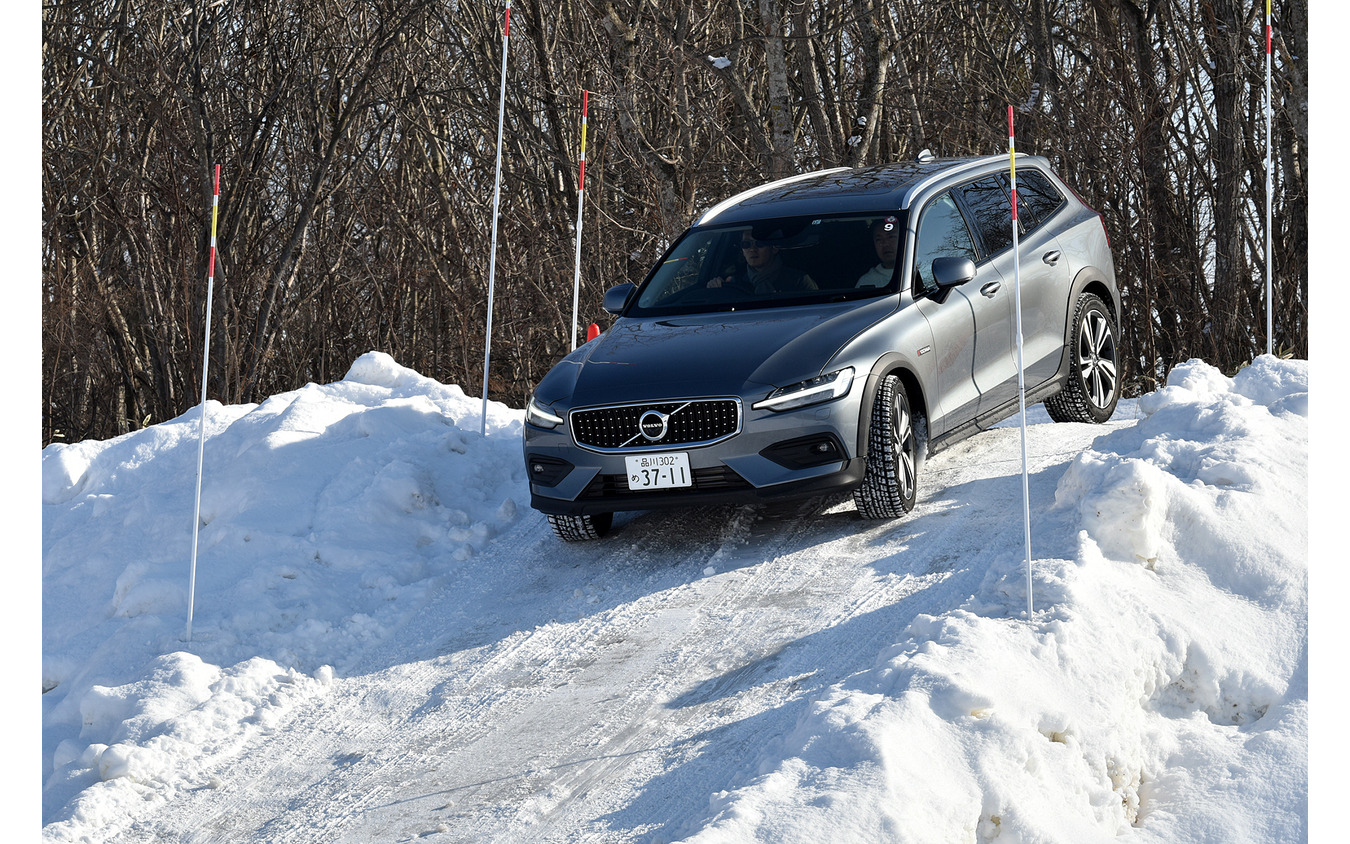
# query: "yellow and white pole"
581 203
206 363
1021 378
1270 191
496 205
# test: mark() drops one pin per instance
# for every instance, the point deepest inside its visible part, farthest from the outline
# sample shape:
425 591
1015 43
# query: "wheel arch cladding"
892 364
1092 280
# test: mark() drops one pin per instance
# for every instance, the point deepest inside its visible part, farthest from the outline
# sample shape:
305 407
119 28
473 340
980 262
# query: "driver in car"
765 271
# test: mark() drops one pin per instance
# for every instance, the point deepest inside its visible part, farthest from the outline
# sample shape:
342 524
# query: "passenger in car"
886 241
765 271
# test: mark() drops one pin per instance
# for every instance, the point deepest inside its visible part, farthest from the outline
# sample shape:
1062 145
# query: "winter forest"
357 144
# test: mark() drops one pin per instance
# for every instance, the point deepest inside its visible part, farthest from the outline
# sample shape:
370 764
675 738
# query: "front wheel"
1093 386
581 528
890 482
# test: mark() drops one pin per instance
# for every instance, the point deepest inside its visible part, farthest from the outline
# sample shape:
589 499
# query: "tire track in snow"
633 733
478 689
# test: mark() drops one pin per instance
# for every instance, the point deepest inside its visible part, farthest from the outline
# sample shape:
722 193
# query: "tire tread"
582 528
1070 404
879 495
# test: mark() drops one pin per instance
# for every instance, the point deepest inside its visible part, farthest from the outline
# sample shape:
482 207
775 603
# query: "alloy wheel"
903 447
1097 359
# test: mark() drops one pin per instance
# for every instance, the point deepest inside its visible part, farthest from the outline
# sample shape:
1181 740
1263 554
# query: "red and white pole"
1270 192
1021 378
496 205
201 442
581 203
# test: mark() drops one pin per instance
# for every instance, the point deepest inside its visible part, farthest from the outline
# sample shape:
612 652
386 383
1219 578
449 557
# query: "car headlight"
816 390
538 416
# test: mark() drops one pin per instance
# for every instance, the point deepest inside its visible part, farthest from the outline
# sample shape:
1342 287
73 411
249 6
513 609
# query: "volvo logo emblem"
652 425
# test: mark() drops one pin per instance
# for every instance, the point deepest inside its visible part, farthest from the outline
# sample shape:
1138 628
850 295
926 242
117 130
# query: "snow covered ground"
389 645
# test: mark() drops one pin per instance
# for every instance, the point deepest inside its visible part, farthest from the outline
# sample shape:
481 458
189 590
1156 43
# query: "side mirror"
616 298
949 271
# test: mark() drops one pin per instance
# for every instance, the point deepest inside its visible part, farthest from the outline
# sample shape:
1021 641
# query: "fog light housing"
547 471
806 452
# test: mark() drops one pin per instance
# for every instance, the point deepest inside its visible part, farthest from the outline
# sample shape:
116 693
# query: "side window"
992 210
942 233
1026 218
1038 194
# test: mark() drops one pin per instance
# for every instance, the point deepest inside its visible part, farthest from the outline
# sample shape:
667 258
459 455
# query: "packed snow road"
705 673
608 688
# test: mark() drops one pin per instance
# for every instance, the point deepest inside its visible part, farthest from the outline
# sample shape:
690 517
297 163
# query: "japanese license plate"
659 471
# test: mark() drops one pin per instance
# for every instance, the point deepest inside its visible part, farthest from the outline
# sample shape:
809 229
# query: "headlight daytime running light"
823 388
539 417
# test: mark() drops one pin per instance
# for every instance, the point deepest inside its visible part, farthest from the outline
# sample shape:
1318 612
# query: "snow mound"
1167 657
351 538
327 515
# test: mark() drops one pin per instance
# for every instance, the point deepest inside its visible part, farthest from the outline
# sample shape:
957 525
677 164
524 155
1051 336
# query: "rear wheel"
1093 387
890 482
581 528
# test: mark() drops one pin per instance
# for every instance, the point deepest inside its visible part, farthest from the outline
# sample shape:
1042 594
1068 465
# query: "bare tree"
357 141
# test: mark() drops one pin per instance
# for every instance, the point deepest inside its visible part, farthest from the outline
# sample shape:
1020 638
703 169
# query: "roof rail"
744 195
941 174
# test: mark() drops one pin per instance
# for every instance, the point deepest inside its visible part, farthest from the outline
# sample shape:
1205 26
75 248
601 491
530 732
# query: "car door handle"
1051 257
991 288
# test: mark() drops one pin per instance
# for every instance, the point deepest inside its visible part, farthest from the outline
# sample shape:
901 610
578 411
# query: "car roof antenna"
925 156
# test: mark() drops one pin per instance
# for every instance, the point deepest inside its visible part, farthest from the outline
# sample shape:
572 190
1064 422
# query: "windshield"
776 263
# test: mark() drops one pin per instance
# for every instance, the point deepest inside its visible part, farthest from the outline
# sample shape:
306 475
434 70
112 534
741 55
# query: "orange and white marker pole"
496 205
1021 378
581 204
206 363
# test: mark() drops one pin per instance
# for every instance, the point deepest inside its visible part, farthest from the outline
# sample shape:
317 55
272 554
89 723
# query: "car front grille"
691 422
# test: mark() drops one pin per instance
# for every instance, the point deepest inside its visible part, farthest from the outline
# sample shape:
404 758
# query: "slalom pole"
1021 379
201 441
1270 190
496 205
581 202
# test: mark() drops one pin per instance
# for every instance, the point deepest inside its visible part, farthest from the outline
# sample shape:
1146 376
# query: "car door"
967 322
1042 272
1047 273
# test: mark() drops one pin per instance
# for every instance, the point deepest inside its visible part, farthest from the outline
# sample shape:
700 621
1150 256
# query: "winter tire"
1093 386
581 528
889 482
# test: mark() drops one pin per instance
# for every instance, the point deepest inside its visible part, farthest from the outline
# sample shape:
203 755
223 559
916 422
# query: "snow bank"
327 514
1160 691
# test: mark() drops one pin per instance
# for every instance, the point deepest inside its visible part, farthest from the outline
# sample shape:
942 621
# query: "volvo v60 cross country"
823 334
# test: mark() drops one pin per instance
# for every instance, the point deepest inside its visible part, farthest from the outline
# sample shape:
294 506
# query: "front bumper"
763 462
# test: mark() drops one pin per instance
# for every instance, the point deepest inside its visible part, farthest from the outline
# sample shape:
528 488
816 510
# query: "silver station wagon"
822 334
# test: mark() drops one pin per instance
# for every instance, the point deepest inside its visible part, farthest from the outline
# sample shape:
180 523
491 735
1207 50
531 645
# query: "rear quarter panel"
1091 265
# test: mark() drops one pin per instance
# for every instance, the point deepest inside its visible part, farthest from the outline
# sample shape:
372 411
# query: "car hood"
717 354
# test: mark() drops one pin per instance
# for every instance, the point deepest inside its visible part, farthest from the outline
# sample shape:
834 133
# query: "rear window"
1037 194
1037 198
992 213
776 263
